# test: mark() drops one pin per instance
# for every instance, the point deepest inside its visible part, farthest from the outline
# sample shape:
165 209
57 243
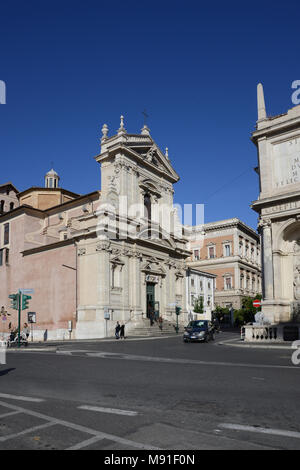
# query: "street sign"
31 317
27 291
256 303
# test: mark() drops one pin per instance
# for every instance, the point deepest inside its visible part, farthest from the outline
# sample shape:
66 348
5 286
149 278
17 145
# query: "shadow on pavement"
6 371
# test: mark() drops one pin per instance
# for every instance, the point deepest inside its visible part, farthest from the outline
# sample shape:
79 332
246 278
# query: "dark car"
199 330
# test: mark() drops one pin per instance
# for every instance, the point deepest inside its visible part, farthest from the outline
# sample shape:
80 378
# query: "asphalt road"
150 394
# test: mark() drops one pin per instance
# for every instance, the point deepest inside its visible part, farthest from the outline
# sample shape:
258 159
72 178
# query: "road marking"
10 414
77 427
274 432
234 338
131 357
16 397
86 443
108 410
26 431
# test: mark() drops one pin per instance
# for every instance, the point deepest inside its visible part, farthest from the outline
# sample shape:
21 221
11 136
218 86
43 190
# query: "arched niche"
286 261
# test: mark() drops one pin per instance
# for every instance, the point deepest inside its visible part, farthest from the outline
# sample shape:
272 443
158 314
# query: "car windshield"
198 324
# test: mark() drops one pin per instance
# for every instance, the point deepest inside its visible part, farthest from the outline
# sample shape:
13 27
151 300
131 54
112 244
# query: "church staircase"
146 330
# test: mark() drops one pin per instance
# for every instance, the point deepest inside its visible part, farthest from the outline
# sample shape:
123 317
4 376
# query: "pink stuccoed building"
37 252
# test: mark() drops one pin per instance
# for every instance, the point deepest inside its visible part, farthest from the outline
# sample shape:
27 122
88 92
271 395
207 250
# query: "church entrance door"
150 298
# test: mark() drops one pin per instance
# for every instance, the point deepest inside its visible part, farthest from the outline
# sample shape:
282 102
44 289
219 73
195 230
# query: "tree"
247 313
198 305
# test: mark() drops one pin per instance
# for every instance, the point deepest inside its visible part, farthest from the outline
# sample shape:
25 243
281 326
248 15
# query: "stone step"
146 330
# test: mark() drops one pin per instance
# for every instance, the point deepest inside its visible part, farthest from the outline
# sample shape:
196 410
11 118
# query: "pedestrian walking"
26 330
122 331
117 330
160 323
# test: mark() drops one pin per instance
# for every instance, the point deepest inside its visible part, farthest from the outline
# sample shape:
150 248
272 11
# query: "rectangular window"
6 256
192 282
228 283
6 234
196 255
211 252
227 250
1 257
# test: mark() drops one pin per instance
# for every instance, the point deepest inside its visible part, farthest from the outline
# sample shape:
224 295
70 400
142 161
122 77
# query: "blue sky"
72 66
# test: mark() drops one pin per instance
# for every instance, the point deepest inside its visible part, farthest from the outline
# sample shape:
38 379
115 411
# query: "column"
267 260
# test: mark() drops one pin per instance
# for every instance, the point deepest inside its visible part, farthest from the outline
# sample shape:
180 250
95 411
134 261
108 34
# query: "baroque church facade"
134 247
112 255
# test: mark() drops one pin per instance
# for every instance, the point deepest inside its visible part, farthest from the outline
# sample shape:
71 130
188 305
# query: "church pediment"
153 268
149 186
155 157
152 157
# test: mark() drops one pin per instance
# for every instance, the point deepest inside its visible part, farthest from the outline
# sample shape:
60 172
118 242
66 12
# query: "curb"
253 346
56 347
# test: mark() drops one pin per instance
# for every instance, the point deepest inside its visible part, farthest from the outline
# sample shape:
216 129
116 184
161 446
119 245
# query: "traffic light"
25 301
14 301
178 310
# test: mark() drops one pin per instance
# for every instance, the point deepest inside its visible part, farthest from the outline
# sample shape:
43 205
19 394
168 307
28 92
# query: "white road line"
78 427
131 357
274 432
26 431
17 397
86 443
11 413
64 353
108 410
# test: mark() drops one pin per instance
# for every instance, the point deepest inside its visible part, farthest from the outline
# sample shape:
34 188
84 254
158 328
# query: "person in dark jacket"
122 331
117 330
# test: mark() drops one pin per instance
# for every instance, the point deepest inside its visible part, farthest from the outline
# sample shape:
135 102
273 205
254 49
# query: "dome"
52 173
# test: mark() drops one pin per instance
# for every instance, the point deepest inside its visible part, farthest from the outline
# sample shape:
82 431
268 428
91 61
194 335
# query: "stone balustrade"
270 333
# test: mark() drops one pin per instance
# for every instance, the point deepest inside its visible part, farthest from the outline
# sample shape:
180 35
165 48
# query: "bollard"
3 347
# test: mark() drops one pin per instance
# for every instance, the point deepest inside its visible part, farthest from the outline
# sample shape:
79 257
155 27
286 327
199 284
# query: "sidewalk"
54 345
238 343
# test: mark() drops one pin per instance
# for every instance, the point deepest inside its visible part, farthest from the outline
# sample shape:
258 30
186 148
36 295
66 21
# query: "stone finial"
145 130
167 153
261 107
122 129
104 132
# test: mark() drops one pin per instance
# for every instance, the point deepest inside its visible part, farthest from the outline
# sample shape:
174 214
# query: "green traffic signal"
14 301
178 310
25 301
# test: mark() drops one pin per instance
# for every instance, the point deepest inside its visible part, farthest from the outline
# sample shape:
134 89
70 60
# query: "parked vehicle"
199 330
13 340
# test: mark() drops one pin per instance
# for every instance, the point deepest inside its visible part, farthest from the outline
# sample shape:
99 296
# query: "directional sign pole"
19 317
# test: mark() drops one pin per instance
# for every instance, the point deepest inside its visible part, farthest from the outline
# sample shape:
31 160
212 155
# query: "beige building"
278 143
200 284
112 255
8 197
230 250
